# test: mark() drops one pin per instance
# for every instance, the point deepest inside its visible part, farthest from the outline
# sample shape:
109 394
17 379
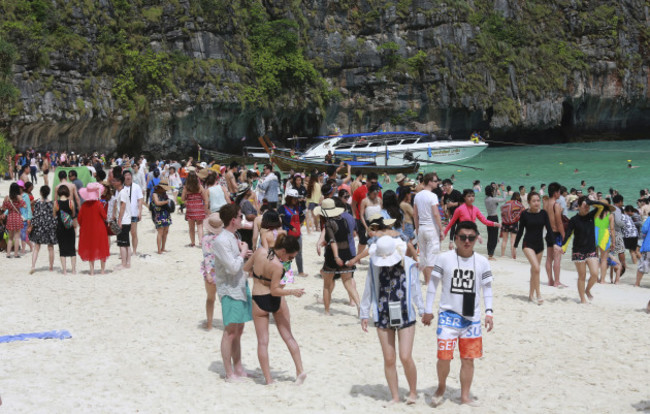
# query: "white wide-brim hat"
387 251
328 209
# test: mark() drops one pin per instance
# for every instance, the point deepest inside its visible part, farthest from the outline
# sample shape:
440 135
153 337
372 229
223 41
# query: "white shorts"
429 244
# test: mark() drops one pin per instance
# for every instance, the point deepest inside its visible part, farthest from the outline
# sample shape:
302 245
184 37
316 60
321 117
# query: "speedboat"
395 148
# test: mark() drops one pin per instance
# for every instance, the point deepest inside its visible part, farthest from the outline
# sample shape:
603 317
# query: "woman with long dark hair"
268 271
44 228
64 210
392 207
584 243
533 221
312 199
249 211
13 203
196 201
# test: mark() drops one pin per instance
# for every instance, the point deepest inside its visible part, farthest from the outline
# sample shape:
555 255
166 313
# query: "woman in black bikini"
533 221
268 290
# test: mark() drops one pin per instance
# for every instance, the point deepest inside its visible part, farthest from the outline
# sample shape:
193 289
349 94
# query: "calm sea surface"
601 164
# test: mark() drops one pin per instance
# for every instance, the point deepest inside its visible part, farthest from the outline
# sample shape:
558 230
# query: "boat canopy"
373 134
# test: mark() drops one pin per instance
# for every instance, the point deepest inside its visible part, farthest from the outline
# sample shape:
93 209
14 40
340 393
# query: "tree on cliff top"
8 92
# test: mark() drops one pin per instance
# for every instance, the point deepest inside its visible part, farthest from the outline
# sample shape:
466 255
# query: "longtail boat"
286 163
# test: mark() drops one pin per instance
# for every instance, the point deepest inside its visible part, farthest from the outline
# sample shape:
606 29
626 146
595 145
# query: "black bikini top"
264 278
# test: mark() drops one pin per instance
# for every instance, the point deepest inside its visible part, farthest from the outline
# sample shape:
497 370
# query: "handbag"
115 228
171 207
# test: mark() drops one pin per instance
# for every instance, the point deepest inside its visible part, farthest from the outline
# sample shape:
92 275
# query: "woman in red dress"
93 238
196 200
12 203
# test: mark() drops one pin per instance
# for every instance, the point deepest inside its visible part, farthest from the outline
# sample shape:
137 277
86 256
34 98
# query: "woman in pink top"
467 212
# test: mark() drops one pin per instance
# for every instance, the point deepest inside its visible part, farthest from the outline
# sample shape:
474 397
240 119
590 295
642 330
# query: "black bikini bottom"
268 303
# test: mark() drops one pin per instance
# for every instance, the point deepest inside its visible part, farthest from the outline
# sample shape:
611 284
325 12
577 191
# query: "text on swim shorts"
462 281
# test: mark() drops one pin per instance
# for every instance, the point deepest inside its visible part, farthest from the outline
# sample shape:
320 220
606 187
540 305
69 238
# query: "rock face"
161 77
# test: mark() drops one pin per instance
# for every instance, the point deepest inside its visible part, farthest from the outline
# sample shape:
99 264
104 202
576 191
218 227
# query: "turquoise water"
601 164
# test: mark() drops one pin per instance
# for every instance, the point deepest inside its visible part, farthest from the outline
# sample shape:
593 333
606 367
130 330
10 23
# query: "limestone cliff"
161 76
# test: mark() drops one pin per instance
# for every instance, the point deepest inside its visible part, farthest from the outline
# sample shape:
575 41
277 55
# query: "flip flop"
437 401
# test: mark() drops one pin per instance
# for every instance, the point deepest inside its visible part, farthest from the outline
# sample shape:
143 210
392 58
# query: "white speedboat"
391 148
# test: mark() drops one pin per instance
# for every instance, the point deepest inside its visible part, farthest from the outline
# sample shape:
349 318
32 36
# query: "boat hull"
287 163
396 145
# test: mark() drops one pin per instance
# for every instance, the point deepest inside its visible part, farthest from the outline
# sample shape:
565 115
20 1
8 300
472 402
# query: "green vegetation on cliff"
114 42
8 92
7 152
286 61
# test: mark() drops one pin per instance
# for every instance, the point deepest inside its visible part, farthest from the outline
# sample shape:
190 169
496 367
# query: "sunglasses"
346 196
465 238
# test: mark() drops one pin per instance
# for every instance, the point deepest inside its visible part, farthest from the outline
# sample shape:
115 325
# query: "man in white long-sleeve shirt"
463 273
232 288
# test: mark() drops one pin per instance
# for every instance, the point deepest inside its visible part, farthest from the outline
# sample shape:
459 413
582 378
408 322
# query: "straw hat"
387 251
215 167
213 224
399 178
164 185
409 183
377 217
242 188
93 191
203 173
328 209
190 168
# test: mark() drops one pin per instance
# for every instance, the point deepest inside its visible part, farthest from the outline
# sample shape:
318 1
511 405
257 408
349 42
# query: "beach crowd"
250 222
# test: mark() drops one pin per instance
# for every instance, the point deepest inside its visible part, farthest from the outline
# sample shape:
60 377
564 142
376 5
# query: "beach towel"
36 335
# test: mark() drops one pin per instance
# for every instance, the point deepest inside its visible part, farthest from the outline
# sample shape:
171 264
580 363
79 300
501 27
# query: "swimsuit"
268 303
534 224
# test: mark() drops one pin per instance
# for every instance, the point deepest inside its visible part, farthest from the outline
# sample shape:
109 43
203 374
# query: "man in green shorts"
232 288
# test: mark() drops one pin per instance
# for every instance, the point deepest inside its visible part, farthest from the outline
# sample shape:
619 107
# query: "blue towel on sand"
36 335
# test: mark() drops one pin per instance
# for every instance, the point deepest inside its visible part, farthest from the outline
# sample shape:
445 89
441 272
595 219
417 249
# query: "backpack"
66 219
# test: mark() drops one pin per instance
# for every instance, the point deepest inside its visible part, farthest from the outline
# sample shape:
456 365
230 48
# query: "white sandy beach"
138 345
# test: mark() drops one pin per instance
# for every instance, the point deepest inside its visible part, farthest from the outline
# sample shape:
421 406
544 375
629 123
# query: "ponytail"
289 243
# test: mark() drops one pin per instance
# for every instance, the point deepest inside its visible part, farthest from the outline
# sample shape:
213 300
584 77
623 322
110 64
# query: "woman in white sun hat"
392 288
